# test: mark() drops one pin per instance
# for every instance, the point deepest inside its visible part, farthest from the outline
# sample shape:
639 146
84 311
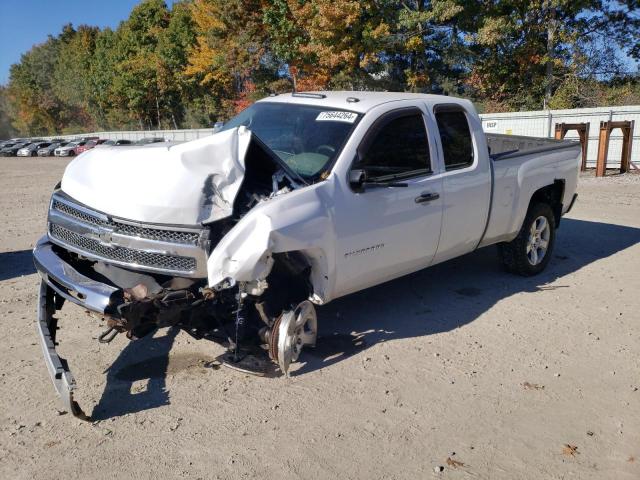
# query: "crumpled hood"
185 184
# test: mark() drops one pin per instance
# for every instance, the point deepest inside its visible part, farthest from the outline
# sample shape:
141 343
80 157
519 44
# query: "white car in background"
68 150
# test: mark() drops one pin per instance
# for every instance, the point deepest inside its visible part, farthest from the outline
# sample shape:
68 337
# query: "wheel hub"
293 330
538 241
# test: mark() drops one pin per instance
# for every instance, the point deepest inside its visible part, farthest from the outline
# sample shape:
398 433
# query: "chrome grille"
142 246
75 213
121 254
172 236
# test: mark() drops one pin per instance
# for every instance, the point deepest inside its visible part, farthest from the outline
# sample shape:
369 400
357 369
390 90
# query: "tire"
526 254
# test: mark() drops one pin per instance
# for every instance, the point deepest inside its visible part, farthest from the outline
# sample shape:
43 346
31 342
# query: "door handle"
427 197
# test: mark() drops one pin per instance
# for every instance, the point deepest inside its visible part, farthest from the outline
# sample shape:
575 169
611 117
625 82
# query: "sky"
29 22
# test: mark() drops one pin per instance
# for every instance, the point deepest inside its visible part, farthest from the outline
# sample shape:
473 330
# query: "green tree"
232 58
204 60
71 82
37 109
137 86
6 129
522 50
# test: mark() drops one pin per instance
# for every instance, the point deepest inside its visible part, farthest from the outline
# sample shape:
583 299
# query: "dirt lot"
460 371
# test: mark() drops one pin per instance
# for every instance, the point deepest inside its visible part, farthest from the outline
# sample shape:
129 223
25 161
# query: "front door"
385 232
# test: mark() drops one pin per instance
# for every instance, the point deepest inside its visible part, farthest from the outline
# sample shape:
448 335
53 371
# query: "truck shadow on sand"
452 294
431 301
16 264
144 360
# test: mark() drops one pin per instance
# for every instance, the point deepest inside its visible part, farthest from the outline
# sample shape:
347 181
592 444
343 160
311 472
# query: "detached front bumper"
60 281
67 282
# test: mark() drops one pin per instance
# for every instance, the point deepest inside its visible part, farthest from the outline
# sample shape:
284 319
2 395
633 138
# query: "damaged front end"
176 270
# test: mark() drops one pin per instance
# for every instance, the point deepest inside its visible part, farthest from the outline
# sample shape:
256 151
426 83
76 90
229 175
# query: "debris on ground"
454 463
532 386
570 450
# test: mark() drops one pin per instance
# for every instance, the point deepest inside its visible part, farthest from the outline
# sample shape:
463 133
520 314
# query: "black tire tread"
513 254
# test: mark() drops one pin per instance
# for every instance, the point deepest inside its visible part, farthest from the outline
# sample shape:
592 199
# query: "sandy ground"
501 375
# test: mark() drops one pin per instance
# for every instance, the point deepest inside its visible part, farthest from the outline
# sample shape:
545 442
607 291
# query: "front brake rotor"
295 329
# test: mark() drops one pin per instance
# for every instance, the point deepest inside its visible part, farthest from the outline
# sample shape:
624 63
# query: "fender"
297 221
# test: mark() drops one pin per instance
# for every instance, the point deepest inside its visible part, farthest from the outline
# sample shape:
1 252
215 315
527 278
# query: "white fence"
543 123
172 135
532 124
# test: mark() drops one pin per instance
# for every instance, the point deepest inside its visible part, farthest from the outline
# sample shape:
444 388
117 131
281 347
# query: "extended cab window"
399 148
455 137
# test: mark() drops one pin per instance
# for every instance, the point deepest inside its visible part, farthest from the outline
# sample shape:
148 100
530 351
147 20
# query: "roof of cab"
360 102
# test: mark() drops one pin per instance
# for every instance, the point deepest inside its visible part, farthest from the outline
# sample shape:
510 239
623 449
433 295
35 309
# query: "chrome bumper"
59 372
68 282
60 278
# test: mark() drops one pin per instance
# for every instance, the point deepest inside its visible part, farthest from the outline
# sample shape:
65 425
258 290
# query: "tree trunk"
158 111
551 30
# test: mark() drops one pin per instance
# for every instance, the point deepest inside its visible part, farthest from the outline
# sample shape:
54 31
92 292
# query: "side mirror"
357 177
217 126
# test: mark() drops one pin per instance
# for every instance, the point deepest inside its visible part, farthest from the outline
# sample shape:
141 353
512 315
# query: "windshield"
308 139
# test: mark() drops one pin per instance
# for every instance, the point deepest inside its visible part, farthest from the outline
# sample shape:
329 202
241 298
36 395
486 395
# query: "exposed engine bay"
280 319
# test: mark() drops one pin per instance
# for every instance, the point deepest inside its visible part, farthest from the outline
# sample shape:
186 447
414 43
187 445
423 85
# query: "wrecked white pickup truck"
300 199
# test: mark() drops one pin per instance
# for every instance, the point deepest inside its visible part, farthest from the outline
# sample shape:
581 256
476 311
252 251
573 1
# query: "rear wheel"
529 253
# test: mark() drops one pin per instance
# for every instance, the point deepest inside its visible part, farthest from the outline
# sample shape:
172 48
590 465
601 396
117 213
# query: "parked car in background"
148 140
6 144
68 150
48 151
115 143
12 151
88 146
11 142
31 150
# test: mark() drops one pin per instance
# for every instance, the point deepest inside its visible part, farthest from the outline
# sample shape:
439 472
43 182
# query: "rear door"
385 232
466 180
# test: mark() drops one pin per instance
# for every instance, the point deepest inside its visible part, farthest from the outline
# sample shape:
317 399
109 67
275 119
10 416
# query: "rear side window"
399 147
455 137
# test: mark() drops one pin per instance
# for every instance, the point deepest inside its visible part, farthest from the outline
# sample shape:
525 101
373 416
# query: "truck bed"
502 146
520 166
